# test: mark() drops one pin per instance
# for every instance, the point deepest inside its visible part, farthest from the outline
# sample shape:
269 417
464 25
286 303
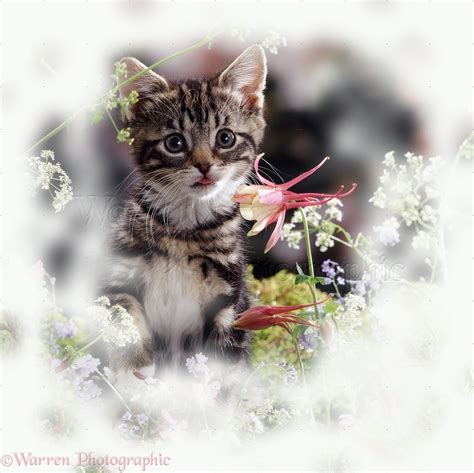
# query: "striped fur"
178 261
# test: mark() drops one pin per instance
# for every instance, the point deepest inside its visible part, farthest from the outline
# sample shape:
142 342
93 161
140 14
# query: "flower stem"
303 375
114 389
310 262
88 345
203 42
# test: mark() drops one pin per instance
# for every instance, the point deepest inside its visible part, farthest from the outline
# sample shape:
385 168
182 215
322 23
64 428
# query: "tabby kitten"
178 264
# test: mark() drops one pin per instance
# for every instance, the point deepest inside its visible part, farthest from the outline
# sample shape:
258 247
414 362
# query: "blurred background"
352 83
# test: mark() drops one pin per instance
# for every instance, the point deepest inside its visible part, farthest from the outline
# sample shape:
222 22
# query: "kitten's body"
178 264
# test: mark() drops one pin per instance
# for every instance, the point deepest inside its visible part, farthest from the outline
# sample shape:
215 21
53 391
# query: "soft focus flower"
307 340
389 160
65 330
261 317
268 202
197 365
379 199
86 365
50 176
291 376
273 41
387 233
116 324
331 268
89 390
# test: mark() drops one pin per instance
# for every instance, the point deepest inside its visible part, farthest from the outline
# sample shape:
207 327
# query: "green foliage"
274 345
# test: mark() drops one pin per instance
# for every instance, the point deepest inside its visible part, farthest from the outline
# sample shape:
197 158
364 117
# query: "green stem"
303 376
310 262
203 42
114 389
112 120
88 345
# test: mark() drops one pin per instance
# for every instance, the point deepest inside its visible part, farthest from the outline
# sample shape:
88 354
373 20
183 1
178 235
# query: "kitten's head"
198 138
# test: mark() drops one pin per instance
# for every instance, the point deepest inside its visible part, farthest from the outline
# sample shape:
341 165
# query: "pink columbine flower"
261 317
268 202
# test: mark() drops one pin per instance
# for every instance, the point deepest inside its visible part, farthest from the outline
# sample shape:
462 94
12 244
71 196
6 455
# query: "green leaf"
305 279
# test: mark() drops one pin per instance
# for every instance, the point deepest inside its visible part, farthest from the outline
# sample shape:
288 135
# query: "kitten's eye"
225 138
175 143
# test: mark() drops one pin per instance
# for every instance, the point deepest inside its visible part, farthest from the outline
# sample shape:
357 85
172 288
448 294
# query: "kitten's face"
198 139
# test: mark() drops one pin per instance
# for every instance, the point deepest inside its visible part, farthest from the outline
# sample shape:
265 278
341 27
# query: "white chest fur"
173 300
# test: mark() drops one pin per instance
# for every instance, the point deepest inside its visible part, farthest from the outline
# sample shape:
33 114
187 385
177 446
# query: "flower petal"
275 236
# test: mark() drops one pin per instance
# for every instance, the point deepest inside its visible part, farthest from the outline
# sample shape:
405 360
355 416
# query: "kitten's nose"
203 167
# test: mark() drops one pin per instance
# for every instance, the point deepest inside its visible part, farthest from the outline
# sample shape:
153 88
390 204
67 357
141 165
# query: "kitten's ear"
247 74
149 83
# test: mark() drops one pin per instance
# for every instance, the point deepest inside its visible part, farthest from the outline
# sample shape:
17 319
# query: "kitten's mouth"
204 181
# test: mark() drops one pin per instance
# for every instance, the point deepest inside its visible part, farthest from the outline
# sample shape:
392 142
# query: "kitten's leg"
138 355
226 341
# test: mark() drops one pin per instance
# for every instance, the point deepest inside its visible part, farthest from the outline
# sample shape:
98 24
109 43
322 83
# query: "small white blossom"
292 237
389 160
379 199
273 41
51 177
414 161
387 233
429 214
312 215
115 323
332 212
355 303
197 365
324 241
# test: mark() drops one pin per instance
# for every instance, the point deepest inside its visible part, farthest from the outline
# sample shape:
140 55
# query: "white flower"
429 214
410 211
312 215
332 211
355 303
384 177
324 241
273 41
197 365
387 233
389 160
50 176
422 241
379 199
414 161
293 237
116 324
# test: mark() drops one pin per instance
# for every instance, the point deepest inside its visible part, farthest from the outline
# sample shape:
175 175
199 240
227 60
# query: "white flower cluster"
409 190
322 225
273 40
387 233
116 324
50 176
349 315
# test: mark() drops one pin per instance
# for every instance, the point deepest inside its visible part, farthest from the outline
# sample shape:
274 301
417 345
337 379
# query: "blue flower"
307 340
65 330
